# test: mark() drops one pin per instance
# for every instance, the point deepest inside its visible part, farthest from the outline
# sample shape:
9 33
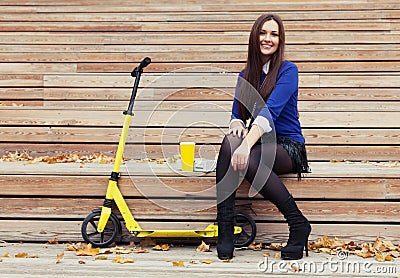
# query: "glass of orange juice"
187 155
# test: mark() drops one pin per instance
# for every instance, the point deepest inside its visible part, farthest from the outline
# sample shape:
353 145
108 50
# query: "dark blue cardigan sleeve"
286 86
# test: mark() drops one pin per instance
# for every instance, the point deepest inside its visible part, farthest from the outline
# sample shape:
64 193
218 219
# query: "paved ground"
39 260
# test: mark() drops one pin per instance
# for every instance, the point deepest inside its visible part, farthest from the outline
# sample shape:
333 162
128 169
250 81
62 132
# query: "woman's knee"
230 144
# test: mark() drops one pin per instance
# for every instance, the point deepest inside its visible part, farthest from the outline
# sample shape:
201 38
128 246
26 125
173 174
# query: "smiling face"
269 39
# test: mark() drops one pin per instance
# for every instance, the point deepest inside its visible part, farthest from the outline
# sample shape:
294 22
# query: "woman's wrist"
235 123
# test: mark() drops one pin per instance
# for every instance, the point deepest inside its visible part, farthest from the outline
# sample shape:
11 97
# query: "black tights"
266 162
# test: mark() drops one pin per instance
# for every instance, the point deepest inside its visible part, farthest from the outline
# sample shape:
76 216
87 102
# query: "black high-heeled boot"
225 219
299 230
225 240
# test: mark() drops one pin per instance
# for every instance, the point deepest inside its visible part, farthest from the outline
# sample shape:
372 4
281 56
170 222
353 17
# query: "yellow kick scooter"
101 227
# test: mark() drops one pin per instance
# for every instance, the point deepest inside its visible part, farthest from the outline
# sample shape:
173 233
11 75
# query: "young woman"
270 107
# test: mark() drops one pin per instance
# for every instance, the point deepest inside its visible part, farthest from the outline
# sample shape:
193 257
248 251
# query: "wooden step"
67 231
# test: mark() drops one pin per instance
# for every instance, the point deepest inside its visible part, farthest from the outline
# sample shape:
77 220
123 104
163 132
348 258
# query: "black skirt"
298 154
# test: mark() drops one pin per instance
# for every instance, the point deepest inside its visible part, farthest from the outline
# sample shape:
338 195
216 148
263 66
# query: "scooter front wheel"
249 230
105 238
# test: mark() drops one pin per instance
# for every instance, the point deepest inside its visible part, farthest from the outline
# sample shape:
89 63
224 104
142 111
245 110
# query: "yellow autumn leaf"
21 255
203 247
365 252
394 253
120 250
378 245
101 258
255 247
53 241
87 251
380 257
207 261
78 158
275 246
6 255
389 245
162 247
140 250
266 254
277 256
70 248
388 258
59 258
178 263
122 260
323 250
295 268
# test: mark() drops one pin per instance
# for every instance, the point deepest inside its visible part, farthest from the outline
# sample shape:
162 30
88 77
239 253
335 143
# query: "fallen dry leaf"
81 262
203 247
382 250
101 258
178 263
277 256
255 247
383 258
275 246
389 245
87 251
193 261
22 255
34 256
122 260
388 258
59 258
75 246
365 252
295 268
394 254
140 250
207 261
120 250
379 246
380 257
162 247
323 250
53 241
266 254
70 248
67 158
6 255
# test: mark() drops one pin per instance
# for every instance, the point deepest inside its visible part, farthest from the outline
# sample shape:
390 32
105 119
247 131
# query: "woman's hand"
237 129
240 157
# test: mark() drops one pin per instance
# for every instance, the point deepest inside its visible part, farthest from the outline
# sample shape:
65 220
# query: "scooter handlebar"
144 63
139 69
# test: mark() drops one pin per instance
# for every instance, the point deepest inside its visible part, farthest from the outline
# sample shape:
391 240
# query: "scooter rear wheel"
249 230
105 238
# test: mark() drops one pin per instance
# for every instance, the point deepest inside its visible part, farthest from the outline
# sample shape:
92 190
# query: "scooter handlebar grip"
145 62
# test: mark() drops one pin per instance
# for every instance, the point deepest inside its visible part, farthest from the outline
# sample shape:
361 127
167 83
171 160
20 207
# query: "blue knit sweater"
281 106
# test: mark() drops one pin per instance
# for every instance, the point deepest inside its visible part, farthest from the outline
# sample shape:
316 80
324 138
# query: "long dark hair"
255 63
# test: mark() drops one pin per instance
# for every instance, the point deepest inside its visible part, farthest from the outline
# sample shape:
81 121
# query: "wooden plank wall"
65 79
